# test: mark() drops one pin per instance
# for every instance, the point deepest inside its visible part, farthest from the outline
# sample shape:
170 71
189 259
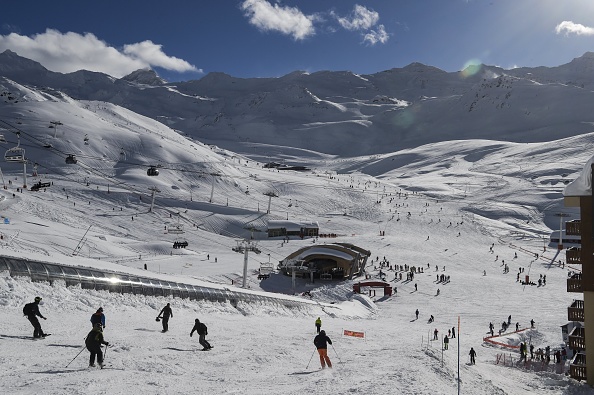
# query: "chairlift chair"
152 171
15 154
71 159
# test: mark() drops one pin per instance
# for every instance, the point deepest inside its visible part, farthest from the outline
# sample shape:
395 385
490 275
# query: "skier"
417 313
517 326
532 351
93 342
431 319
472 354
202 331
321 342
31 310
446 341
522 351
165 313
453 332
532 323
318 325
415 286
98 318
435 332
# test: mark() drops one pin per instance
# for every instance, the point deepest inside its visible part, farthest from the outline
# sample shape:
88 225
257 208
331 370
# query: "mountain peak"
144 76
12 62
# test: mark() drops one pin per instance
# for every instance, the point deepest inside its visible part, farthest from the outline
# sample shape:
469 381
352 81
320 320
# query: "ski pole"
339 361
310 358
105 354
76 356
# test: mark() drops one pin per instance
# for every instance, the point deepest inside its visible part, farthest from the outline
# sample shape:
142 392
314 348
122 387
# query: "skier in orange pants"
321 342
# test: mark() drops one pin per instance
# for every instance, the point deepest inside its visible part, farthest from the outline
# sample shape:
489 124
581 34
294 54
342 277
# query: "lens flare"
471 67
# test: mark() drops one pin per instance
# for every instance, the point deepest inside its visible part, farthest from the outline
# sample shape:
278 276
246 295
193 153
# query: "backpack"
28 309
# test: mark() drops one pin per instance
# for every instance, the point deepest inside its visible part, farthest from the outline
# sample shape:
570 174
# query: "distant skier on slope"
93 342
321 342
202 331
472 354
318 324
98 318
164 315
31 311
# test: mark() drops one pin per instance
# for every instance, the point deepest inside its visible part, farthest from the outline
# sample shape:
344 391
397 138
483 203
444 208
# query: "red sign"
354 334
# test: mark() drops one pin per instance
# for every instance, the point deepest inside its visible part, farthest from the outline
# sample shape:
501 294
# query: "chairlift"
152 171
15 154
180 244
176 229
71 159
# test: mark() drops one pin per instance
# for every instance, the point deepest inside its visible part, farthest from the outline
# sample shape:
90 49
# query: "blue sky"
186 39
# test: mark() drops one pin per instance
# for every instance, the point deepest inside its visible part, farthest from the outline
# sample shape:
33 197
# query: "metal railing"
91 278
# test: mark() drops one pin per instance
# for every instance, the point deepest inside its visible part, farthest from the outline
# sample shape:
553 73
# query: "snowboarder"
472 354
202 331
509 319
93 342
98 318
431 319
31 311
165 313
417 313
318 325
321 342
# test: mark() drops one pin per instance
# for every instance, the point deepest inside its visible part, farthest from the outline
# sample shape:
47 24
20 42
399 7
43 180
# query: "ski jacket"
166 312
321 341
200 328
95 338
32 309
98 318
318 322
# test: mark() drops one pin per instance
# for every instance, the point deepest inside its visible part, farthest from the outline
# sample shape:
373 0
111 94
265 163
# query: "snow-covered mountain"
343 113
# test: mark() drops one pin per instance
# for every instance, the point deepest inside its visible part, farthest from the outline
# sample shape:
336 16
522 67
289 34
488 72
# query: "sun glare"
471 67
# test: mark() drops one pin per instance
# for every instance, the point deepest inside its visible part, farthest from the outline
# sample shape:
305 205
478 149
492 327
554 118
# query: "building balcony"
573 256
577 338
577 368
575 312
575 283
572 228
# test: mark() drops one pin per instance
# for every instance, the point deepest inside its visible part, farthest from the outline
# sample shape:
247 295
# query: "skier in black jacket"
202 331
31 310
165 313
321 342
93 342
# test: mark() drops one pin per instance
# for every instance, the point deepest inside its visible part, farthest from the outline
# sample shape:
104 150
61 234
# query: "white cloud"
287 20
361 18
574 28
373 37
68 52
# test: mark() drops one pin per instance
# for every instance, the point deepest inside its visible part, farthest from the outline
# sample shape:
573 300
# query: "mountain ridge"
342 113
